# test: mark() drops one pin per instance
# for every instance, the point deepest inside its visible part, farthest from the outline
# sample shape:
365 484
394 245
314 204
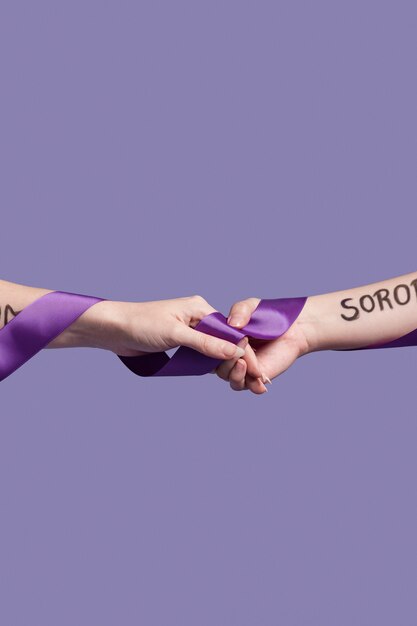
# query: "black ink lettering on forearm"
8 313
383 298
344 305
397 297
369 307
401 295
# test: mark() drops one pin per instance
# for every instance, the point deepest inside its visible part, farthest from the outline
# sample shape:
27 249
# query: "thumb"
241 312
208 345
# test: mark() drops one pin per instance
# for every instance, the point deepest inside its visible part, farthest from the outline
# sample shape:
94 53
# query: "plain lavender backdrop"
158 149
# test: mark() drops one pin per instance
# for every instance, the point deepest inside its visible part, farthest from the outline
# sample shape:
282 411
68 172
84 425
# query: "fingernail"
232 352
260 380
235 320
265 379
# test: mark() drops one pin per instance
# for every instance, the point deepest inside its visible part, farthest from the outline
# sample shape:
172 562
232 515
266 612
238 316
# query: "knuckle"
246 306
250 303
206 343
237 376
176 334
199 305
221 374
198 299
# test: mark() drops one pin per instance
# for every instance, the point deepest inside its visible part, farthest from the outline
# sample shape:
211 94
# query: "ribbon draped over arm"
47 317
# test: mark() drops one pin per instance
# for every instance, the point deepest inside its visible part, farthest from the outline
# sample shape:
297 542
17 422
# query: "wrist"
321 325
99 326
310 324
325 329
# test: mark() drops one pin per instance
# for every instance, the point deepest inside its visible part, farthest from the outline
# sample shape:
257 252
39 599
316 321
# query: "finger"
206 344
241 312
239 380
255 385
197 307
223 370
237 376
252 365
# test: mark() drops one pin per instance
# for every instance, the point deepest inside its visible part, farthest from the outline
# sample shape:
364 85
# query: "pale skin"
350 318
131 328
375 313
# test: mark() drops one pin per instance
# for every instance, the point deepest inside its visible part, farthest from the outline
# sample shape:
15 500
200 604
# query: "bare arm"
351 318
127 328
92 329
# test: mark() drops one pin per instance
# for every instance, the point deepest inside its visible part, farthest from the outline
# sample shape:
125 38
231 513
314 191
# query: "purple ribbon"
37 325
270 320
48 316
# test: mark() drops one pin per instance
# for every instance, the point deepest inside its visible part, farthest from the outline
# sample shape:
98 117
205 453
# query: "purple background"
158 149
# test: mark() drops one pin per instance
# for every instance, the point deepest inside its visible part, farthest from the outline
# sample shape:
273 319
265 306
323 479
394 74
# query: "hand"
272 357
137 328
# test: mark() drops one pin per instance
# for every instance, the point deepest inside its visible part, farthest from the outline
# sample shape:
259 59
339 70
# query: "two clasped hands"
348 319
137 328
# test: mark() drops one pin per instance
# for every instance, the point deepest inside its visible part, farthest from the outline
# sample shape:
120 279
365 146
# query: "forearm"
14 298
129 329
361 316
95 328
